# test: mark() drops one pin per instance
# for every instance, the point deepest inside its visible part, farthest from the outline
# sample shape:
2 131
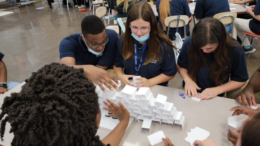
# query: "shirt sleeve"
199 10
186 8
66 49
118 62
183 59
257 8
1 56
109 53
239 68
169 67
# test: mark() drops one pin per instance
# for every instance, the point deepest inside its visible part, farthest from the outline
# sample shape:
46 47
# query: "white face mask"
92 51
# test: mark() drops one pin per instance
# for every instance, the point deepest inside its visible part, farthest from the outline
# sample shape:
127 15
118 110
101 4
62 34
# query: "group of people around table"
58 104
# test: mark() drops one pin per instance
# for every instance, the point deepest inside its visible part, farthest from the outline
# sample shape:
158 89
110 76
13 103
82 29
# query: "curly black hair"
56 107
92 25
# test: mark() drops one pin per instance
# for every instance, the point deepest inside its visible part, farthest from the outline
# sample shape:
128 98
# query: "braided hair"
56 107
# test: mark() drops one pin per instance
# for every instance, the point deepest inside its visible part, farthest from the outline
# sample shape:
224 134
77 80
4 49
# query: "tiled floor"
30 38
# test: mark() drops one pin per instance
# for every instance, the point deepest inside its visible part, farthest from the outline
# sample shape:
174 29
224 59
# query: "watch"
3 85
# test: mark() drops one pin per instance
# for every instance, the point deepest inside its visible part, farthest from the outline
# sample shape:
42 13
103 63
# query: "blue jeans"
11 85
229 28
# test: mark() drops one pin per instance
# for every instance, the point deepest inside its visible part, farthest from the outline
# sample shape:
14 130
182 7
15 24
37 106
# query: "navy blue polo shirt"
1 56
177 7
254 24
208 8
73 46
167 65
237 68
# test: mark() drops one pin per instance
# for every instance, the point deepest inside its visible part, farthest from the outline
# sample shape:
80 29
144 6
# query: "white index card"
254 107
236 121
168 107
232 8
147 123
144 93
156 138
160 100
195 99
129 90
177 116
134 80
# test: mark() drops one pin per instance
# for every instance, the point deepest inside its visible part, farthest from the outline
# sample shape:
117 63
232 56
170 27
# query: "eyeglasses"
96 46
143 29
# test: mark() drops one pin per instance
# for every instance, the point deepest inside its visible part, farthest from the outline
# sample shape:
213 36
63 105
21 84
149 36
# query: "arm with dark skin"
247 96
3 76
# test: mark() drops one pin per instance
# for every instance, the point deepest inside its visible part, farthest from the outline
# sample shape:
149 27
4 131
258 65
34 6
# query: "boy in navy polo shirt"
93 51
208 8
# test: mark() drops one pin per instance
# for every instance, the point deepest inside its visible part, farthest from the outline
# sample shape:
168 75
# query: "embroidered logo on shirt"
153 61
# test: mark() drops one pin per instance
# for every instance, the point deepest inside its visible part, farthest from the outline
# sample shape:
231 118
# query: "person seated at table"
247 97
167 8
58 106
4 85
93 50
144 50
248 25
243 1
124 7
211 62
208 8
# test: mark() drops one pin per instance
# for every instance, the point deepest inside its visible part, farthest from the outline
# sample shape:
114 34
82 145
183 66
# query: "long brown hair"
143 10
164 11
251 133
210 31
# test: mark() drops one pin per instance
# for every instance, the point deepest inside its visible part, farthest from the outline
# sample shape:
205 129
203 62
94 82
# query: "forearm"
118 71
229 86
159 79
3 72
184 73
116 135
257 17
254 83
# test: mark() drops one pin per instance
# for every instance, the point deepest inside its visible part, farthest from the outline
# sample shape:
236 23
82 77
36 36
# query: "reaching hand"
209 93
191 88
167 142
3 90
243 110
206 142
247 98
119 112
102 77
142 82
125 79
232 136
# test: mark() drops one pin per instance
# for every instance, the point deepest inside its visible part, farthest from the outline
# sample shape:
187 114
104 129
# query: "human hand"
249 9
206 142
3 90
209 93
119 112
232 136
167 142
252 7
247 98
243 110
125 79
101 77
142 82
238 1
191 88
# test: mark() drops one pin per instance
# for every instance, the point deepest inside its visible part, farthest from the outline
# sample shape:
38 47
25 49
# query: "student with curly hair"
58 106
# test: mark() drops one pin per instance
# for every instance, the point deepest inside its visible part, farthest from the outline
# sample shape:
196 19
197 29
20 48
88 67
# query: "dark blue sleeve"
199 10
67 48
183 60
186 8
118 55
109 53
239 68
1 56
158 5
169 67
257 8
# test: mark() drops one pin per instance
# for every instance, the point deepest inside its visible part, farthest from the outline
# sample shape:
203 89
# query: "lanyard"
138 64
